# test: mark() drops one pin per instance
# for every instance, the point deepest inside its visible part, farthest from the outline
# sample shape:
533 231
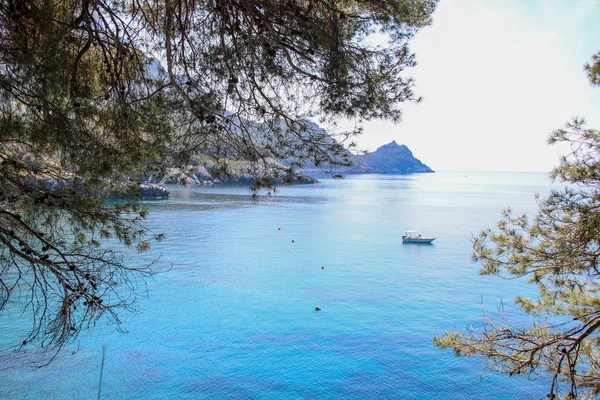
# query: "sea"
231 313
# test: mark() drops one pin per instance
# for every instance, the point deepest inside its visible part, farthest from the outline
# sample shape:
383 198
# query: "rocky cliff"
390 158
153 191
207 172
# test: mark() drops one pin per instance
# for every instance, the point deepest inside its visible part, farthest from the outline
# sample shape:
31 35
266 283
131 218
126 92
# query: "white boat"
416 237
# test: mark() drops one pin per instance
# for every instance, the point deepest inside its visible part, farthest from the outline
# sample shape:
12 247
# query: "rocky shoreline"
153 191
209 173
391 158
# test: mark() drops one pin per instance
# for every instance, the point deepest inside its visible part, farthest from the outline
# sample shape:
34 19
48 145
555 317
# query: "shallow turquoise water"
234 316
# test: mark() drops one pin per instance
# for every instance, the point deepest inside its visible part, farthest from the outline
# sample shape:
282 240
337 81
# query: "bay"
232 315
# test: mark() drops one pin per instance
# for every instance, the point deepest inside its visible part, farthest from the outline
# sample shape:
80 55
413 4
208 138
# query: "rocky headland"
390 158
208 172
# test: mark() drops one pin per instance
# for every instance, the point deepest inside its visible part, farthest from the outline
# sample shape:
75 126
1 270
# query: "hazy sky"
497 77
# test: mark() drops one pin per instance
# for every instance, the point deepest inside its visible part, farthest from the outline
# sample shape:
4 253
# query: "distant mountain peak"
394 149
392 158
390 144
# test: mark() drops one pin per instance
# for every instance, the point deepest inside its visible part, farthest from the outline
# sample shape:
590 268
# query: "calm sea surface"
234 317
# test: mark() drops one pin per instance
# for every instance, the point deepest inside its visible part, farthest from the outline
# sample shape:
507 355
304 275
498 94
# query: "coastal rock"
153 191
302 179
391 158
185 176
208 172
116 190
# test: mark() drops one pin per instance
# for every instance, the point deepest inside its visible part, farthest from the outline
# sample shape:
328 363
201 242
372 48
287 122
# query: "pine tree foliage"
97 94
559 252
593 69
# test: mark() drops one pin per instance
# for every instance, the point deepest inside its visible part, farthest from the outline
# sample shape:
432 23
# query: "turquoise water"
234 316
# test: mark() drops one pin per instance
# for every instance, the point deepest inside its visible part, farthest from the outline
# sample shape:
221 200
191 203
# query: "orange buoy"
317 308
